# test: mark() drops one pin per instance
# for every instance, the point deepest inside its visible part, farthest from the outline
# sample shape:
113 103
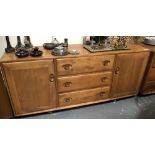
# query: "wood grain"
30 87
128 73
134 48
148 84
85 81
50 83
5 106
84 96
71 66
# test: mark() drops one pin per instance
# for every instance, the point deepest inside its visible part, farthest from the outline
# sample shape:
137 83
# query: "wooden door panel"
29 85
5 106
129 70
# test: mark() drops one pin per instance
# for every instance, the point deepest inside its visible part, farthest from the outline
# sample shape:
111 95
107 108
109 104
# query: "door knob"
117 70
51 77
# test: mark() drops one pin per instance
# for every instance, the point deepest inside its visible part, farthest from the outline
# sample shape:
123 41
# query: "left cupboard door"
31 85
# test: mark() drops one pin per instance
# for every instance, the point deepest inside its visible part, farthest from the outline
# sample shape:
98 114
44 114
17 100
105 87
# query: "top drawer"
67 66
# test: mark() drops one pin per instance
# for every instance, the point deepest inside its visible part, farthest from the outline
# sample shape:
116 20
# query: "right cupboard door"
128 74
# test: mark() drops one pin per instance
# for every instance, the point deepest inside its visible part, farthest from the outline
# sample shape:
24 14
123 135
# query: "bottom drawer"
84 96
151 75
149 88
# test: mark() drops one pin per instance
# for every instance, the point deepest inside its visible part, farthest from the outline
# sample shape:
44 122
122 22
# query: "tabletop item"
73 52
65 44
9 48
52 45
59 51
106 43
49 46
35 52
22 52
149 40
19 43
27 42
119 42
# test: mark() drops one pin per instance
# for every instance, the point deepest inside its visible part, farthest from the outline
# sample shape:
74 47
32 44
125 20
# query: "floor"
129 108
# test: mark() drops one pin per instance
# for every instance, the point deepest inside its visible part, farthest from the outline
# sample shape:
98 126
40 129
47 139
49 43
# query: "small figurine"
35 52
19 44
22 52
9 48
27 42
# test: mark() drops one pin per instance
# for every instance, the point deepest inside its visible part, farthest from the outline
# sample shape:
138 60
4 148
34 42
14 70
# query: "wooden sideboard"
148 85
50 83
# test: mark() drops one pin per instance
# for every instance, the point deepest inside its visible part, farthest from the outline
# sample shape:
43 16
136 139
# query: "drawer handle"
67 67
51 77
67 84
67 99
103 79
102 94
106 62
117 70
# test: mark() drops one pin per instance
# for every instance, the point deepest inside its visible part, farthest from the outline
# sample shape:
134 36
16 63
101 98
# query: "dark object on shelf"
9 48
22 52
65 44
50 46
19 44
27 42
59 51
36 52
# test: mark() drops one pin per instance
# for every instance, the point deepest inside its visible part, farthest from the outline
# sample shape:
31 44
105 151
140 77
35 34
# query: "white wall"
38 41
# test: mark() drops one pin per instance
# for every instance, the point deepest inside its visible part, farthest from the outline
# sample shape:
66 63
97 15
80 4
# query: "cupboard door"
128 73
5 107
31 86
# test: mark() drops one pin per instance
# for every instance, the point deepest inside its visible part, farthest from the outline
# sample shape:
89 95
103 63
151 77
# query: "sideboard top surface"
10 57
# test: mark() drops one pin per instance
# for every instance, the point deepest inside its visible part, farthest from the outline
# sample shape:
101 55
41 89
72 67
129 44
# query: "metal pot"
50 46
59 51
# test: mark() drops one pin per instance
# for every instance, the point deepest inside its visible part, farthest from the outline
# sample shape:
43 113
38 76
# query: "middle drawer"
78 82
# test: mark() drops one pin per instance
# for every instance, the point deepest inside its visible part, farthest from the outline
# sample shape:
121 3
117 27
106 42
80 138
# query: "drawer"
151 75
79 97
149 87
67 66
86 81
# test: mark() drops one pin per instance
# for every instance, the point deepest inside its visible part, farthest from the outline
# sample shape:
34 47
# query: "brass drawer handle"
67 99
67 84
102 94
67 67
103 79
106 62
51 77
117 70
